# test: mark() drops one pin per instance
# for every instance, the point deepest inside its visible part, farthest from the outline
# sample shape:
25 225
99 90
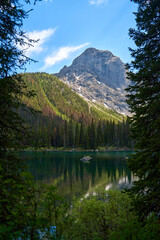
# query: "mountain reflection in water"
74 177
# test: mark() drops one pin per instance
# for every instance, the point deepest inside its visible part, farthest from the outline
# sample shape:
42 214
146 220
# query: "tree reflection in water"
73 177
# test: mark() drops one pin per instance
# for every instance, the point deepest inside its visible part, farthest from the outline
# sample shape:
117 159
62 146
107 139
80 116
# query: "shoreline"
112 149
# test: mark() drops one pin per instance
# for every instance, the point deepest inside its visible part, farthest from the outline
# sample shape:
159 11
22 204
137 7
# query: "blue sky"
65 28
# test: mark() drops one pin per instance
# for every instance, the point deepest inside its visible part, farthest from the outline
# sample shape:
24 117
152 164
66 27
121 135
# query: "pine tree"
81 135
100 141
77 135
144 102
93 139
12 129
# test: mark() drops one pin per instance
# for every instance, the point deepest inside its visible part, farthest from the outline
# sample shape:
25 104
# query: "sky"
65 28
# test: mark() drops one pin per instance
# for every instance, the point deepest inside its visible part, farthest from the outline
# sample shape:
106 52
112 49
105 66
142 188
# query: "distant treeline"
53 131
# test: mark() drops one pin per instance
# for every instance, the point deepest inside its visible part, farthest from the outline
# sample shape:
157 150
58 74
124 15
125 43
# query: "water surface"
73 177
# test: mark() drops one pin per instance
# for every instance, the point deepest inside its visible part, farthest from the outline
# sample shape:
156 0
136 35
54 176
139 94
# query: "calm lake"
74 177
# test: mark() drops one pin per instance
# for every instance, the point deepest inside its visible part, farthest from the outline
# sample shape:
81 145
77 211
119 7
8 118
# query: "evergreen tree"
81 136
12 131
100 141
86 140
71 133
77 135
93 135
144 102
106 133
65 133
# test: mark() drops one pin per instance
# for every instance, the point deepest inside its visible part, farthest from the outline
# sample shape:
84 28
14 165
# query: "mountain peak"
98 75
94 50
93 56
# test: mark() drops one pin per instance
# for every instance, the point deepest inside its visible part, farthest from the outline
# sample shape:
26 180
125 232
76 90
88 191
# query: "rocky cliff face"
98 76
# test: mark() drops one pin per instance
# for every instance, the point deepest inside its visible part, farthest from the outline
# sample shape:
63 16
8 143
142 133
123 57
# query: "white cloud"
61 54
42 37
97 2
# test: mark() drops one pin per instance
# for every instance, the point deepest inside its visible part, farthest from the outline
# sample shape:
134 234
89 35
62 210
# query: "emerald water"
73 177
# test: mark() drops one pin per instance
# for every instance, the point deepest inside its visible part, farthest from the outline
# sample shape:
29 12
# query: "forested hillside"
67 120
55 97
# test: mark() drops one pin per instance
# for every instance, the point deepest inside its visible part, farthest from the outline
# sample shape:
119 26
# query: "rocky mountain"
99 77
